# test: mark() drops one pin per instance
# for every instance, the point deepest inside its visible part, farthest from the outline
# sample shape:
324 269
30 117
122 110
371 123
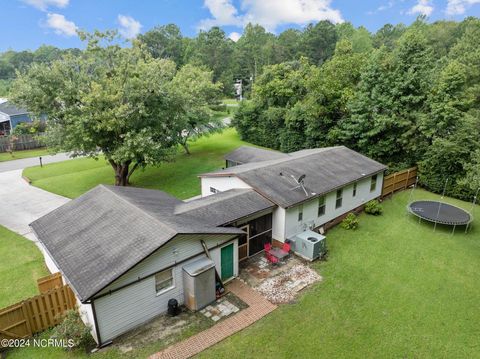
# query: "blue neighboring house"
11 116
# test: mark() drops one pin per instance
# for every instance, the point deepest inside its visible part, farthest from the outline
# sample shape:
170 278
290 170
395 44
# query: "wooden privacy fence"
399 181
36 314
49 282
21 142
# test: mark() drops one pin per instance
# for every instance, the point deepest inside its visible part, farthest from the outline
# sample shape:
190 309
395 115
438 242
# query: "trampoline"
440 213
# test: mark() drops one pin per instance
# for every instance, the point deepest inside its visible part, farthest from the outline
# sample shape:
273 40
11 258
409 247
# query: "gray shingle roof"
326 169
247 154
225 207
11 110
100 235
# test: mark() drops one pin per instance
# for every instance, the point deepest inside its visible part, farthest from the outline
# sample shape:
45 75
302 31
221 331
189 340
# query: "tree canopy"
119 102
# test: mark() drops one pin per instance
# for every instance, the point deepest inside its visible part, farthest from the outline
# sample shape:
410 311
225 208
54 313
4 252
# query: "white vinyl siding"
139 302
220 184
310 208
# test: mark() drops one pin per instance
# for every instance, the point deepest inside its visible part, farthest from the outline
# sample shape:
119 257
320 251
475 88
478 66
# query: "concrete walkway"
30 162
21 204
258 307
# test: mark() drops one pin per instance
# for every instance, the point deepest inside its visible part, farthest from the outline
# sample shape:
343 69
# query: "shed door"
227 262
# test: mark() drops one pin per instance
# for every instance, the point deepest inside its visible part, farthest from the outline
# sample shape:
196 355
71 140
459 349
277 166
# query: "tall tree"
165 42
212 49
114 101
318 41
329 91
253 51
288 43
389 102
388 35
198 93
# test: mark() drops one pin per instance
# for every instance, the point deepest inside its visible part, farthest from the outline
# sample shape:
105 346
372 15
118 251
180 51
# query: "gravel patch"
284 287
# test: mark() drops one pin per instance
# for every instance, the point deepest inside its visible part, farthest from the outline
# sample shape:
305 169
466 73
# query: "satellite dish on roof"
299 183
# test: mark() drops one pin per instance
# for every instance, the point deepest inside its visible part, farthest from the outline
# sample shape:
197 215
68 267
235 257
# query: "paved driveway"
21 204
30 162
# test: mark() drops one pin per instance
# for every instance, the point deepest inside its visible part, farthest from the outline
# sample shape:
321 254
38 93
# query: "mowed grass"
392 289
179 178
21 264
17 155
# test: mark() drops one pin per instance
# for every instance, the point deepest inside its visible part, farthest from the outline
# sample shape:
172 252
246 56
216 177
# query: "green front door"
227 262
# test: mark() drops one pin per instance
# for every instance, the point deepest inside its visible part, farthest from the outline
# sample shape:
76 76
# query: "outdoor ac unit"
309 245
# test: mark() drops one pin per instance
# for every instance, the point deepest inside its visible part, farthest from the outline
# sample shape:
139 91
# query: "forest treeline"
412 98
404 95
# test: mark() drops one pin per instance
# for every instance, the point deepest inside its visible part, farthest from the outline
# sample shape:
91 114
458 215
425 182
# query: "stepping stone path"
221 309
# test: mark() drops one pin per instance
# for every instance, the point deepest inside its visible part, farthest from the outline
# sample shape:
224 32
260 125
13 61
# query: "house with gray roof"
11 116
126 252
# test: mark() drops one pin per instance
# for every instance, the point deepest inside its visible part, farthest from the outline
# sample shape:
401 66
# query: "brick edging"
258 308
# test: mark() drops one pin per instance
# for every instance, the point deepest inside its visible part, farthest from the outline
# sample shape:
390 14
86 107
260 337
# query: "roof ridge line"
157 221
287 158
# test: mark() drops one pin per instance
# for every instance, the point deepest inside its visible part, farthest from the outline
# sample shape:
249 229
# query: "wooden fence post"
27 318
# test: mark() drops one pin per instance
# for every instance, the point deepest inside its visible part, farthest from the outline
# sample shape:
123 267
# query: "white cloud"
223 13
381 8
269 13
234 36
458 7
129 27
44 4
423 7
61 25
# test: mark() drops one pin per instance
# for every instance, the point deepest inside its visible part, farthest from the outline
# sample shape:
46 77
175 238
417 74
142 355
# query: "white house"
125 251
333 182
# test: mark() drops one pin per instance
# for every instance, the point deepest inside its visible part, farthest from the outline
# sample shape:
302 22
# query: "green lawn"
5 156
230 101
21 264
391 289
179 178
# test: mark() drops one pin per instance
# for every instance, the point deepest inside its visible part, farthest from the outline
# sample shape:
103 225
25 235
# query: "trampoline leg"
453 231
435 226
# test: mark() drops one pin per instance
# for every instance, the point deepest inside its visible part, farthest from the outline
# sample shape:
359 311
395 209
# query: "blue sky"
27 24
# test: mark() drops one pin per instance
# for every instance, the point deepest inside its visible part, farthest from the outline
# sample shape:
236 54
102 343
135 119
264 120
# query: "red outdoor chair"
271 258
286 248
267 247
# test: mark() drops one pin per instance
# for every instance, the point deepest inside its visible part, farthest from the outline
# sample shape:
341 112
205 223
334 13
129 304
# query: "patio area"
281 282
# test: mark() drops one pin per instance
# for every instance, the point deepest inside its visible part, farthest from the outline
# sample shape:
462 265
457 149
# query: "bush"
73 331
30 128
373 207
350 222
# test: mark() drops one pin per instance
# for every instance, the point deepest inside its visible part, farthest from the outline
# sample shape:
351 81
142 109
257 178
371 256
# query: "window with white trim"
373 183
164 281
321 206
338 202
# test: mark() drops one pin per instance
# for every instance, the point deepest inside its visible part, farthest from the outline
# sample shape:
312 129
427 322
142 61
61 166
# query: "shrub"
30 128
73 331
350 222
373 207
